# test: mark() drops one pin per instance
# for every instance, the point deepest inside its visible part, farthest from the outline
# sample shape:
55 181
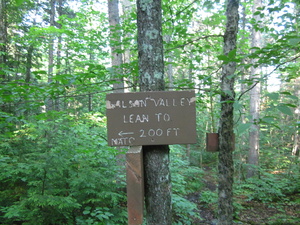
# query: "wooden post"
135 185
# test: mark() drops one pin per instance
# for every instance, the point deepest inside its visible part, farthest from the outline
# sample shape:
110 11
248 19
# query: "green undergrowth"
59 170
185 180
62 174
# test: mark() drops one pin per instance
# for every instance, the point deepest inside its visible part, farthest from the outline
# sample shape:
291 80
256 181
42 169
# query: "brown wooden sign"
151 118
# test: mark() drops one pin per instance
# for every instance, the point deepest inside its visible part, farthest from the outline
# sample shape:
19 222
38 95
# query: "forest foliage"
56 166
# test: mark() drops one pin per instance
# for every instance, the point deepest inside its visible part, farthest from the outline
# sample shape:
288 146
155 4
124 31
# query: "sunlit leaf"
19 2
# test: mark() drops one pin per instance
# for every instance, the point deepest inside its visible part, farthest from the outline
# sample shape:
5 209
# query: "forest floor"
256 213
271 214
247 212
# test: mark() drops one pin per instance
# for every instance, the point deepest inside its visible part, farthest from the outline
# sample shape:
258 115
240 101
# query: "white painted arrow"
121 133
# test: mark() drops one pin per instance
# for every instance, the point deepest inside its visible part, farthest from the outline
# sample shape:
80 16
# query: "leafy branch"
181 11
265 76
195 40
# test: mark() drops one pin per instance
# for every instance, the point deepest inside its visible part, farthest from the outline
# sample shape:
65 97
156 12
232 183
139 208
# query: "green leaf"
232 53
243 127
257 13
267 119
289 95
285 109
293 97
285 93
273 96
222 57
294 41
19 2
291 105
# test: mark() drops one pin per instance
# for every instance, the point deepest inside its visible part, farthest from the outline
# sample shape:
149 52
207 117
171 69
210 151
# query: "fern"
184 210
50 175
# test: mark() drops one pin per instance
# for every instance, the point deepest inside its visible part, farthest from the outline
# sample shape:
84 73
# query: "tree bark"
49 101
226 134
116 61
151 78
3 37
150 46
296 141
128 8
28 63
58 53
253 156
5 107
296 149
170 72
116 58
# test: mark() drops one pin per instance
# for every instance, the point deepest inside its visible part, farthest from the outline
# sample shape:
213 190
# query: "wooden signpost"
147 118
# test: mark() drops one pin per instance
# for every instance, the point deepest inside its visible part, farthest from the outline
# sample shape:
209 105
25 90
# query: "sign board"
151 118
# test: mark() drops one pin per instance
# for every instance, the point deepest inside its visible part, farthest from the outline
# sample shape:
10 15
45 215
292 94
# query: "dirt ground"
255 213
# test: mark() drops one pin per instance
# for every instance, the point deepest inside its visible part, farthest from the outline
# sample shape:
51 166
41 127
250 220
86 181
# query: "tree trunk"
170 66
3 37
295 143
116 61
254 100
296 149
150 46
58 53
5 107
90 96
226 135
49 101
28 64
151 74
128 8
243 146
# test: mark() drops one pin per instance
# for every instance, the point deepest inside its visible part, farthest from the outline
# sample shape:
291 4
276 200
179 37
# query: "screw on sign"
151 118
